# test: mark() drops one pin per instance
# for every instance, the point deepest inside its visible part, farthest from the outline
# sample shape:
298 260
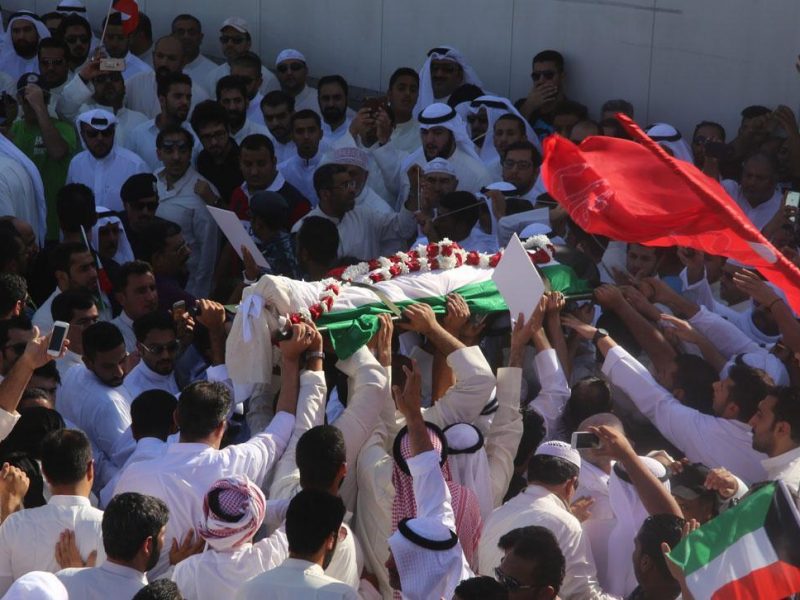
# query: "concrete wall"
678 61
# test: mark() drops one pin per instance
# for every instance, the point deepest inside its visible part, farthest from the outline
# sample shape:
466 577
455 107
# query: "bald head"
168 55
600 420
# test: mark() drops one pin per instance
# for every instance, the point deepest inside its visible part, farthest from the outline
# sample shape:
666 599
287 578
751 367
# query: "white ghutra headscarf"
426 86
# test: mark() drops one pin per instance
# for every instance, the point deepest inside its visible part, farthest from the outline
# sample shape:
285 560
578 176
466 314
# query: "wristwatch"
315 354
599 335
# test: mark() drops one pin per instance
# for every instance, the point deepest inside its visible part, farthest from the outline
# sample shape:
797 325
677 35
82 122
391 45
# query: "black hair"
617 106
53 42
306 113
75 206
313 516
319 237
552 56
66 303
481 587
278 98
696 377
167 80
512 117
323 176
248 59
589 396
533 432
319 455
152 414
124 273
571 107
12 247
6 325
755 110
536 157
720 129
48 370
208 112
550 470
65 454
465 203
539 546
787 409
101 337
35 495
655 530
765 158
72 20
750 386
337 79
153 239
160 589
186 17
202 407
13 289
231 82
257 141
144 26
61 255
129 519
34 424
403 72
156 320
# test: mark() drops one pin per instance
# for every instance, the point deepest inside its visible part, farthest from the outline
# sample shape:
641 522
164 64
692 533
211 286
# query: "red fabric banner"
130 14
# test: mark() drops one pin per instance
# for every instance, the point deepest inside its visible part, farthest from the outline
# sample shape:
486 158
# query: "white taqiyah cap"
289 54
439 165
560 450
238 23
535 229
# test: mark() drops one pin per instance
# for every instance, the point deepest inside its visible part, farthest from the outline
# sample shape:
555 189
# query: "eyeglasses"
214 135
225 39
522 165
145 206
171 348
93 133
181 146
74 39
295 66
18 348
509 583
52 62
548 75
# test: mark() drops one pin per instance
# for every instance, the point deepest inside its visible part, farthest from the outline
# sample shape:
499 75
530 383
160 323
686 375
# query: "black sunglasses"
509 583
224 39
295 66
93 133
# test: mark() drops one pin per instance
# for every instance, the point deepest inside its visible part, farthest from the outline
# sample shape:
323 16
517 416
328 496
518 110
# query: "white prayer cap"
766 361
37 585
439 165
97 118
502 186
238 23
350 156
560 450
463 438
69 7
669 137
535 229
289 54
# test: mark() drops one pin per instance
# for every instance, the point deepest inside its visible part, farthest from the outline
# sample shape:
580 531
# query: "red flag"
636 192
129 11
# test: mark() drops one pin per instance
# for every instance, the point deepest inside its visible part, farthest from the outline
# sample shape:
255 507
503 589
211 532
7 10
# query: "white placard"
517 280
237 235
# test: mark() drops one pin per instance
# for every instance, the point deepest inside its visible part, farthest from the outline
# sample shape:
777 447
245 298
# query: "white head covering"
426 87
669 137
442 115
12 63
630 513
97 118
438 165
69 7
7 148
37 585
766 361
428 558
289 54
496 107
560 450
104 217
469 464
349 155
238 23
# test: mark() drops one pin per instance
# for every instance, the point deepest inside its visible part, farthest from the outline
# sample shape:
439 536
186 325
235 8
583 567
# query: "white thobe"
43 319
405 136
142 378
213 575
181 205
15 66
254 113
125 325
141 94
109 580
785 466
105 176
28 538
713 441
593 483
268 81
300 173
553 395
7 422
362 230
134 65
283 152
66 362
198 70
307 99
250 128
331 135
102 412
146 448
296 579
142 141
537 505
17 194
183 475
759 215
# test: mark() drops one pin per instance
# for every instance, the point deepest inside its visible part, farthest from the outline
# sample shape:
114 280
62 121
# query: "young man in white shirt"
157 345
136 293
133 539
77 308
28 538
776 432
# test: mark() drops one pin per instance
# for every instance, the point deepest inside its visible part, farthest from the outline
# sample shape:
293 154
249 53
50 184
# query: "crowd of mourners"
437 461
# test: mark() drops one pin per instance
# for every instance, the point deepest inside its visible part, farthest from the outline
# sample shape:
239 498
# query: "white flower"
305 314
404 268
483 261
384 262
402 256
424 267
447 262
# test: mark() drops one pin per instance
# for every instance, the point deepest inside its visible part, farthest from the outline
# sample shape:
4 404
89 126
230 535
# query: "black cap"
271 207
28 79
141 185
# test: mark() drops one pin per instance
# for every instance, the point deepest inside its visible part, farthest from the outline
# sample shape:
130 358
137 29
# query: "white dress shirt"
785 466
181 205
300 173
759 215
28 538
7 422
537 505
183 475
268 81
102 412
142 378
198 70
105 176
125 325
17 194
141 94
296 579
141 140
109 580
146 448
250 128
134 65
713 441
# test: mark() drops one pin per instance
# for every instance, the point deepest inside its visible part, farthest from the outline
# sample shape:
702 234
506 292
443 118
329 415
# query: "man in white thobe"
292 74
18 51
157 344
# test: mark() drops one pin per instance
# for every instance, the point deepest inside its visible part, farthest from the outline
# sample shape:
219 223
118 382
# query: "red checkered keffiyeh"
234 509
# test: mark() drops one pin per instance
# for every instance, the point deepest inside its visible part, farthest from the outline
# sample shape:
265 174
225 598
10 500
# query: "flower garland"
423 258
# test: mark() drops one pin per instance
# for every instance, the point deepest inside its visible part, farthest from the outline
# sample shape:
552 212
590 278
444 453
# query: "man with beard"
165 249
232 95
444 71
757 194
116 42
135 290
75 269
299 169
182 194
143 89
277 109
332 91
157 343
77 35
53 69
189 30
218 161
249 66
92 395
25 31
103 166
134 526
776 433
292 74
175 93
140 199
236 41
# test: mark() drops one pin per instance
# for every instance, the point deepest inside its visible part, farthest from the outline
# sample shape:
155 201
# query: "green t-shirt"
28 138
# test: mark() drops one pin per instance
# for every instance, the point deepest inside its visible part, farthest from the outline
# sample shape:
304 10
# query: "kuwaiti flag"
129 11
749 552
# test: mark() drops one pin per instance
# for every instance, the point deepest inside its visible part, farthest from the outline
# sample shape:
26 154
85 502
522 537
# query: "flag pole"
98 265
105 26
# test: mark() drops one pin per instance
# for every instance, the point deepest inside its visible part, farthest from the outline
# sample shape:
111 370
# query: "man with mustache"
332 91
25 31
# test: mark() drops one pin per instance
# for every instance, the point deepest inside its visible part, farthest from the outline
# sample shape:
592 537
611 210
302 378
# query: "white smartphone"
57 337
792 199
584 439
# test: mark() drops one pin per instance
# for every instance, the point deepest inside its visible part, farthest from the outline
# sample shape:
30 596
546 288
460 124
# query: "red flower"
413 254
374 264
447 249
328 302
395 270
434 264
433 250
494 259
540 256
459 259
413 265
333 288
295 318
473 258
316 311
395 259
376 277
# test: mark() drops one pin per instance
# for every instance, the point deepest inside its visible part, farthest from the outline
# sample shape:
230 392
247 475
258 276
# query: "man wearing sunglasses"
103 166
15 333
157 344
292 73
77 35
547 91
235 40
140 199
53 69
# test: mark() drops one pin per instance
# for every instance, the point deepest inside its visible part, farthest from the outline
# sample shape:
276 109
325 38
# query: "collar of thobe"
310 162
123 316
150 443
162 178
106 161
152 375
775 464
123 571
537 491
298 564
69 500
187 448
